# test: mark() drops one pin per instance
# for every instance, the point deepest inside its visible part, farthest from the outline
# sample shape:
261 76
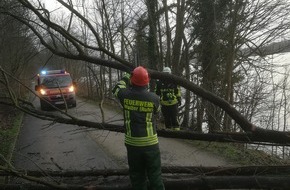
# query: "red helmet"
140 76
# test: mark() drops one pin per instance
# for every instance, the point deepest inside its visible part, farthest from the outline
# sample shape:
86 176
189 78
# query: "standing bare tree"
17 49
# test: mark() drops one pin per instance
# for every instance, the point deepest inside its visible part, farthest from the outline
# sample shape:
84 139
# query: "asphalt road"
52 146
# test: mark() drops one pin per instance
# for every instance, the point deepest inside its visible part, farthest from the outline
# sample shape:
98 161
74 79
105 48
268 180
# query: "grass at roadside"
238 153
9 130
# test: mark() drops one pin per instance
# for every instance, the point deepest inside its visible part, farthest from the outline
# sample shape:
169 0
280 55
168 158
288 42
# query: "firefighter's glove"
126 78
127 75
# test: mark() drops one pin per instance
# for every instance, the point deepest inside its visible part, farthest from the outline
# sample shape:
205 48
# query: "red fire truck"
55 87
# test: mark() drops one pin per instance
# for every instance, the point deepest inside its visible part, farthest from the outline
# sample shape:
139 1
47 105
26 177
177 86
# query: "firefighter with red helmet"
170 99
139 109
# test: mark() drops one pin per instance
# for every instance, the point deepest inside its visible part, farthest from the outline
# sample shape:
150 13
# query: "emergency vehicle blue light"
43 72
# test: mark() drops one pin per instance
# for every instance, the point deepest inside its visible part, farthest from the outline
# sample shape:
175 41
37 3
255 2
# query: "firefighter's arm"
157 108
126 78
123 83
178 95
157 88
179 101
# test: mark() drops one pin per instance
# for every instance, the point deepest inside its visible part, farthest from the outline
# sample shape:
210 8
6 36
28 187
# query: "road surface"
52 146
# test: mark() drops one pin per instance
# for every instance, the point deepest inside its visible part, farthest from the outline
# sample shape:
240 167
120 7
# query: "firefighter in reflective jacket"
170 99
139 108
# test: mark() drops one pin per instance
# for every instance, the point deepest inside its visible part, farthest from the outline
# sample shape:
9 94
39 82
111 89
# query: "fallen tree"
258 177
193 171
184 183
259 136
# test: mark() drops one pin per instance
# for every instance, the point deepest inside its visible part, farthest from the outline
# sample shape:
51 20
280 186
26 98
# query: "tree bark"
192 171
192 183
152 38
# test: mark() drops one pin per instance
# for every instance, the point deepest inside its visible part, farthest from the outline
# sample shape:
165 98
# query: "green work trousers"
145 164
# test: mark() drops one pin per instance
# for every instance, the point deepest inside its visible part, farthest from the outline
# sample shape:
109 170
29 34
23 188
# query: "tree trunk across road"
52 146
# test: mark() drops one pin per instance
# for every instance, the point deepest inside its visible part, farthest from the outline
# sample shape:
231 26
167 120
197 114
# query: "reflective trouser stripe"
141 141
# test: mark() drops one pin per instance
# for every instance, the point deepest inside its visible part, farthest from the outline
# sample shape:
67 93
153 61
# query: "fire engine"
55 87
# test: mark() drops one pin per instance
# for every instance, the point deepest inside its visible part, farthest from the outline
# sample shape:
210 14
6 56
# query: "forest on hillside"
218 52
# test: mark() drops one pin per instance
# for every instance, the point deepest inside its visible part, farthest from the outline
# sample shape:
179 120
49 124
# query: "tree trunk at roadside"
177 66
152 36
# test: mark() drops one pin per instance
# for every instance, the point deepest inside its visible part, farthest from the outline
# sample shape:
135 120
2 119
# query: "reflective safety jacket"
139 107
169 93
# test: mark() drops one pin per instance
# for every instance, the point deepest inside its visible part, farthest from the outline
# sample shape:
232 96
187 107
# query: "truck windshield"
56 81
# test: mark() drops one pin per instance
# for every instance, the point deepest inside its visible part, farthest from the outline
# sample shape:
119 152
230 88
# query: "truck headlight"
71 89
42 91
